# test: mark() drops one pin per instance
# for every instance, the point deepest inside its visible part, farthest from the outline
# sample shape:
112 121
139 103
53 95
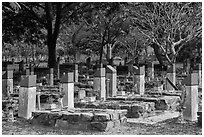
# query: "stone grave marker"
32 72
67 82
171 75
139 79
27 97
198 70
51 76
27 71
191 101
150 70
7 82
82 93
76 72
112 76
99 83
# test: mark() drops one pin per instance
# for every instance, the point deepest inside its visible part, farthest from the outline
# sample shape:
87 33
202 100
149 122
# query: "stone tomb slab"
134 109
81 119
154 119
161 103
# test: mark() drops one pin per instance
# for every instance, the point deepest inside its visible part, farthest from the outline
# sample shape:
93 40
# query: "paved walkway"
154 119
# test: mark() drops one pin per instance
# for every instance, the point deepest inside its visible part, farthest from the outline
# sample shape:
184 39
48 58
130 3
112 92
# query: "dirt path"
168 127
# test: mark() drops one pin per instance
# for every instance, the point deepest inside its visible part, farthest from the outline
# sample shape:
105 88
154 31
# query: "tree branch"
36 17
162 48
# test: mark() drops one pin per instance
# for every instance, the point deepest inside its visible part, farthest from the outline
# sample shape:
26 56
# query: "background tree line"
173 30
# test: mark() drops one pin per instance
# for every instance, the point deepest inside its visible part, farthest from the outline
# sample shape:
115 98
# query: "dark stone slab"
7 74
44 119
198 67
67 78
103 126
110 69
71 117
191 80
29 81
101 72
51 70
101 117
139 71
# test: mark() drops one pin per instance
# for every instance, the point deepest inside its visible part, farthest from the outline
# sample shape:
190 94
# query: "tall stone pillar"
51 76
198 70
99 83
191 100
150 70
27 71
112 76
7 82
76 72
67 84
171 75
32 72
139 79
27 97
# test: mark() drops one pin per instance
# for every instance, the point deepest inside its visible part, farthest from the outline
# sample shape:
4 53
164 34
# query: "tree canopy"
168 27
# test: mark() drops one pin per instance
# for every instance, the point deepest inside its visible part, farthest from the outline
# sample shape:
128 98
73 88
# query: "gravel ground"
168 127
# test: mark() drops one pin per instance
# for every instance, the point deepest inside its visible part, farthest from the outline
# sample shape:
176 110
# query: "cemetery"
99 102
86 93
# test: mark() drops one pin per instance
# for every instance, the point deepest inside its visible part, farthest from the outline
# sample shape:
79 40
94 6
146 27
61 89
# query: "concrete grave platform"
161 102
81 119
135 109
155 119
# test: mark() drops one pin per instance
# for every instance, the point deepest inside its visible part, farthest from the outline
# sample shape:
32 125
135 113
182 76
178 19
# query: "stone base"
81 119
134 109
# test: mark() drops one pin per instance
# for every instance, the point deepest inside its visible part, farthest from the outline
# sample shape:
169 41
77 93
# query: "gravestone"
150 70
82 93
32 72
191 101
99 83
198 70
27 97
21 66
122 70
107 87
51 76
171 75
7 82
27 71
139 79
112 75
76 72
67 82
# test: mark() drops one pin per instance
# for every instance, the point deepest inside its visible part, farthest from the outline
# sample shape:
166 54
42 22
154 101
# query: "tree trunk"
52 32
51 53
101 54
158 54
